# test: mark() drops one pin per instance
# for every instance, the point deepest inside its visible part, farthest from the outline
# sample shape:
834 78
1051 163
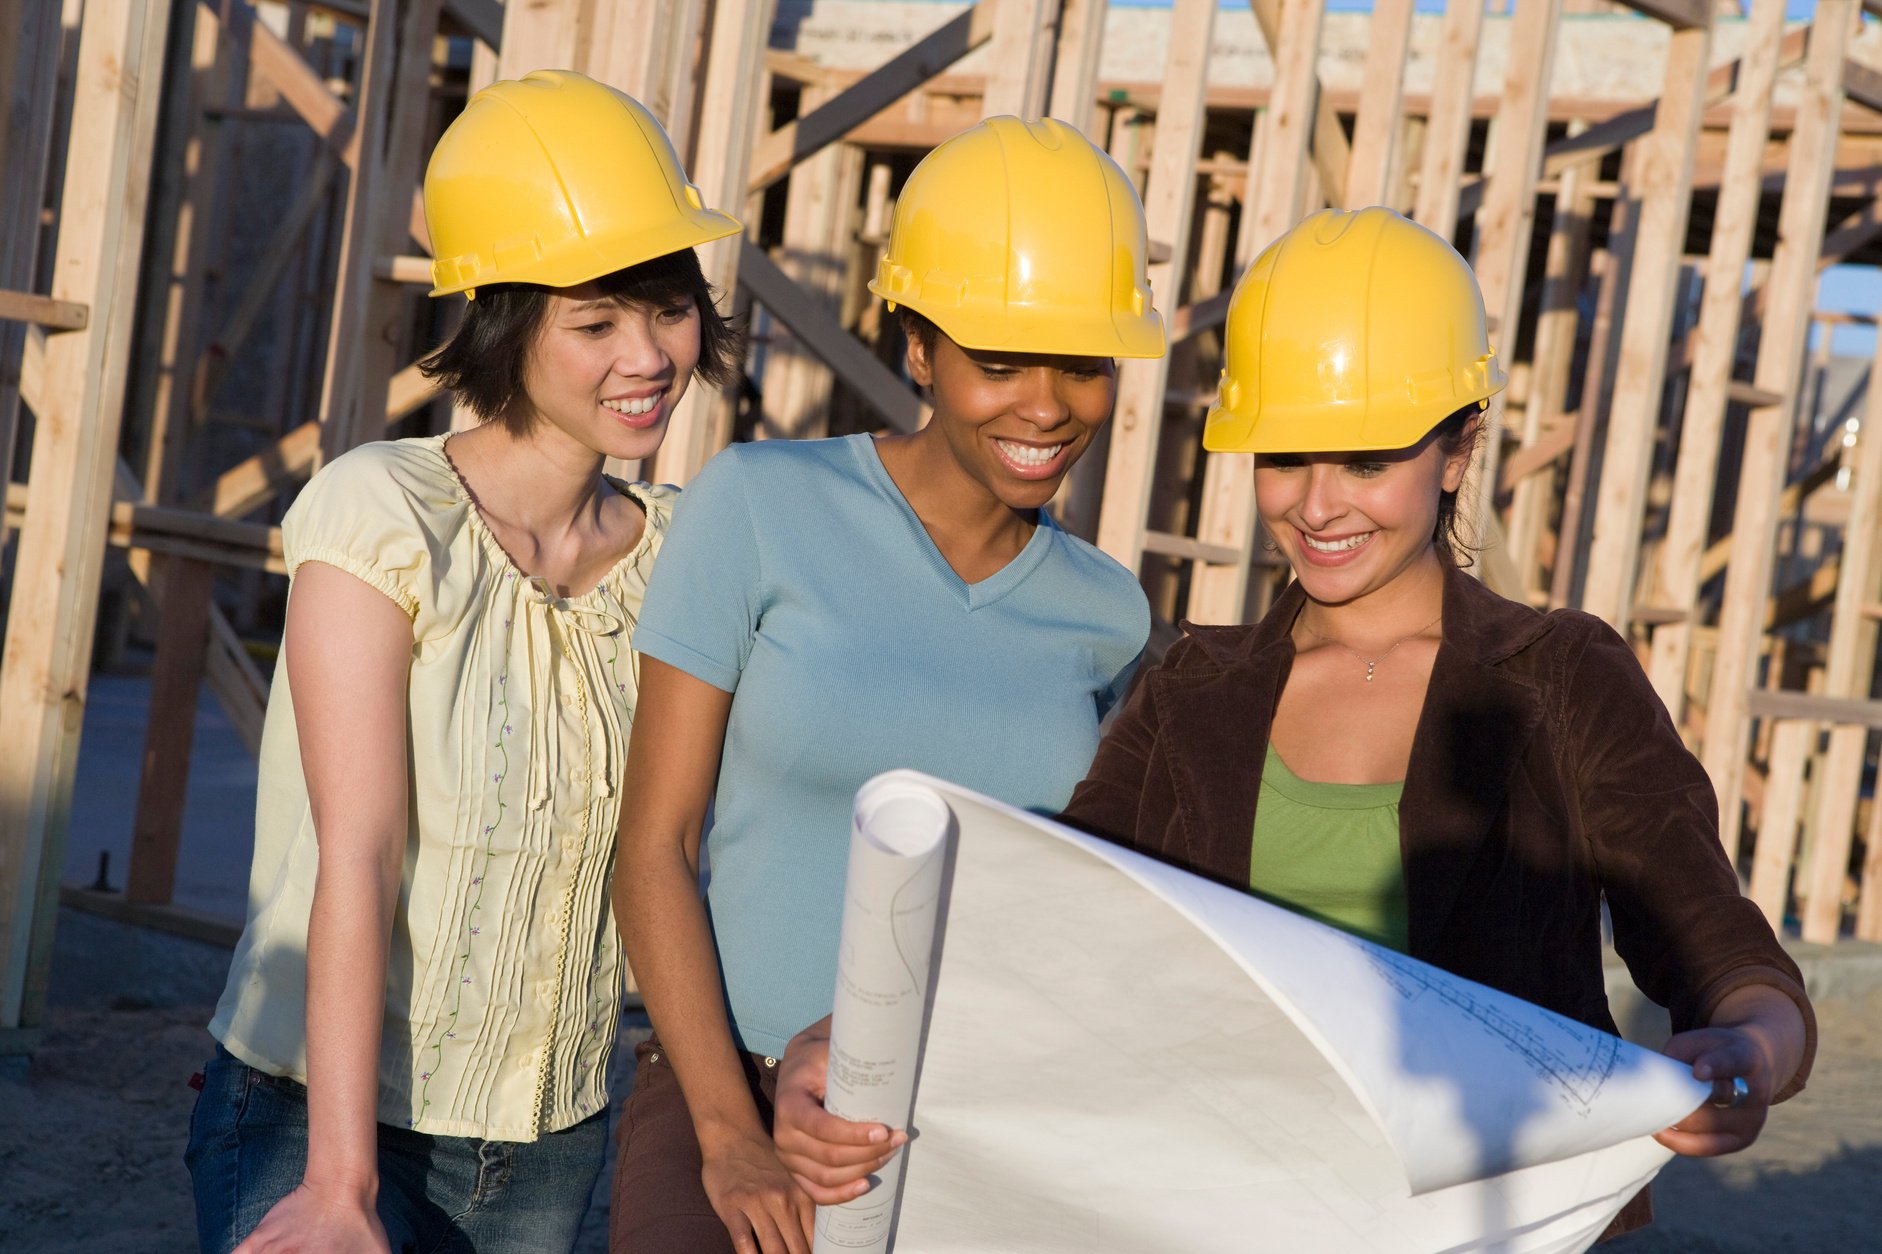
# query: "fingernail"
878 1134
899 1139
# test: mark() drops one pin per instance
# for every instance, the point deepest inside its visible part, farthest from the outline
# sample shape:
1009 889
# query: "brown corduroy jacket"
1545 774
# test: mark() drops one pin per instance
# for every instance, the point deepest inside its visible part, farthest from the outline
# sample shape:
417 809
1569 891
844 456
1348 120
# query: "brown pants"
657 1204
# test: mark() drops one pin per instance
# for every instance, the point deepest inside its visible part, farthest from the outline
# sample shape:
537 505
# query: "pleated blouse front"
504 978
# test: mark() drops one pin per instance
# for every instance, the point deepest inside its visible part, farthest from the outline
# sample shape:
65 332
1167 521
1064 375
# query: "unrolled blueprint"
1120 1056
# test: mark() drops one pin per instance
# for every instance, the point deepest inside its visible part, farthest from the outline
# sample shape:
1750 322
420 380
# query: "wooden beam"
1507 219
1862 85
1277 180
1019 58
1169 197
45 664
29 72
820 332
1375 130
54 315
1843 711
1075 74
1447 128
871 95
1327 143
1715 345
732 102
1792 288
166 529
1679 14
176 678
394 83
1665 193
481 19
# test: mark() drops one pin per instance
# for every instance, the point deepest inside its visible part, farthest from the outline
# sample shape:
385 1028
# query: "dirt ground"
92 1129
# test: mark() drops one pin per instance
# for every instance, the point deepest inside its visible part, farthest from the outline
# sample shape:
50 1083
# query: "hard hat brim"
1011 330
586 259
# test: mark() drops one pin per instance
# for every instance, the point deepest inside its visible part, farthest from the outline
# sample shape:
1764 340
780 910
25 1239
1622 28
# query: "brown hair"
1460 432
483 362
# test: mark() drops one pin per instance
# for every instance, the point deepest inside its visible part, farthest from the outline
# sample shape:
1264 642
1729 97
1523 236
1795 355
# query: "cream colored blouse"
504 978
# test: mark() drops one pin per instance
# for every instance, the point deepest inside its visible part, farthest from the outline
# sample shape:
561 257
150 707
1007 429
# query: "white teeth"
1336 546
642 406
1027 455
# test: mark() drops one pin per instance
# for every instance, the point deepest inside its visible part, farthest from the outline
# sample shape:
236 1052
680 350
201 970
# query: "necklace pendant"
1369 666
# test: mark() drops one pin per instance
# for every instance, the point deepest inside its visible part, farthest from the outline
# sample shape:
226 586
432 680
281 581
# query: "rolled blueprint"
898 853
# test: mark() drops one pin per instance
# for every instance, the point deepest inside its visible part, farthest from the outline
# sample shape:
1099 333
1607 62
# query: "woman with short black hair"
418 1019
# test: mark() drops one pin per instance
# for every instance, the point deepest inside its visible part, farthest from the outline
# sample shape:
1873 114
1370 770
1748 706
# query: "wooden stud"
1597 385
1508 215
176 677
1565 274
822 334
1665 190
1137 420
1276 179
29 42
1019 59
731 98
44 668
1777 825
1780 357
1849 669
870 95
395 75
1374 167
1327 145
1715 346
1447 129
1080 53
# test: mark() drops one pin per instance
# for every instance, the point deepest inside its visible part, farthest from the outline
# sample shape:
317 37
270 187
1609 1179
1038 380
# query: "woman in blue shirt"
825 610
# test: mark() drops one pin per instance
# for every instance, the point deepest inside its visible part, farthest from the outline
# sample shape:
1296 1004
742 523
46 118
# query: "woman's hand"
318 1221
756 1199
1756 1035
830 1157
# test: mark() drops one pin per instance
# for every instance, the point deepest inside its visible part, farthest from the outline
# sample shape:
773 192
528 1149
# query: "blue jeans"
437 1194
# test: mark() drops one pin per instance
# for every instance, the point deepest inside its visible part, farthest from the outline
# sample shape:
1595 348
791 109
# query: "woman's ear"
920 367
1458 462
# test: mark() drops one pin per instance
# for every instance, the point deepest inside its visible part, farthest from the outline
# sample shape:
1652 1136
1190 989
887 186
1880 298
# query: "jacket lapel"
1214 721
1472 733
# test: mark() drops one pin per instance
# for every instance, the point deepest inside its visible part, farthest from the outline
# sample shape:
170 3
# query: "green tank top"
1330 852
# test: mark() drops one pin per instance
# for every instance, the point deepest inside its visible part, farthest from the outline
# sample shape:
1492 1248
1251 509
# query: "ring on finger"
1740 1092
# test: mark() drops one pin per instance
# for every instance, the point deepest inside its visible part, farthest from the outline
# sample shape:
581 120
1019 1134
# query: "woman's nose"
1323 502
1041 404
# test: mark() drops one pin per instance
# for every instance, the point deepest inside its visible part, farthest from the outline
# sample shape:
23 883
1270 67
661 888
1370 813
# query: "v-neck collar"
973 596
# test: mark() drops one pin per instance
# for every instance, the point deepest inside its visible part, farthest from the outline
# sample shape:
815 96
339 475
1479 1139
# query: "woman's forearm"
348 935
670 948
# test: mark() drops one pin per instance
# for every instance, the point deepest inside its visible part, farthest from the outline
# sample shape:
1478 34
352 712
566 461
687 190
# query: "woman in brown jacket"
1397 750
1513 769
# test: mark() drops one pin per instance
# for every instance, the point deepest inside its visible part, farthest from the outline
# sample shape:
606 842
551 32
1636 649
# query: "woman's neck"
971 526
541 484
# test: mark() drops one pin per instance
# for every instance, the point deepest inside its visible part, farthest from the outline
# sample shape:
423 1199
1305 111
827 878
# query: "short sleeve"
355 514
706 593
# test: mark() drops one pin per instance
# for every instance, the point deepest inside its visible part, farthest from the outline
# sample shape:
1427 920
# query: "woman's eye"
1278 461
677 313
1366 470
596 329
998 373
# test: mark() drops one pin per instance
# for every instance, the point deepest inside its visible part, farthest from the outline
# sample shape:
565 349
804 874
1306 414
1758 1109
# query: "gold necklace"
1371 663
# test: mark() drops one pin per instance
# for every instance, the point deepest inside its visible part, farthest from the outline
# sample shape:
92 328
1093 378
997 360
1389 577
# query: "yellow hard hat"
1353 331
556 179
1023 237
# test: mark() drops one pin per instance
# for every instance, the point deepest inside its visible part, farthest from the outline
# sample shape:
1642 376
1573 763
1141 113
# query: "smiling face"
608 373
1014 422
1352 523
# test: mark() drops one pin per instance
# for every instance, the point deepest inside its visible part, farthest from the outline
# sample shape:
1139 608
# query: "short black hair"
483 362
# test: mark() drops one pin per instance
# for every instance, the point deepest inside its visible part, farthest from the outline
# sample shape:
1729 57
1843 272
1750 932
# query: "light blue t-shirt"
797 577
